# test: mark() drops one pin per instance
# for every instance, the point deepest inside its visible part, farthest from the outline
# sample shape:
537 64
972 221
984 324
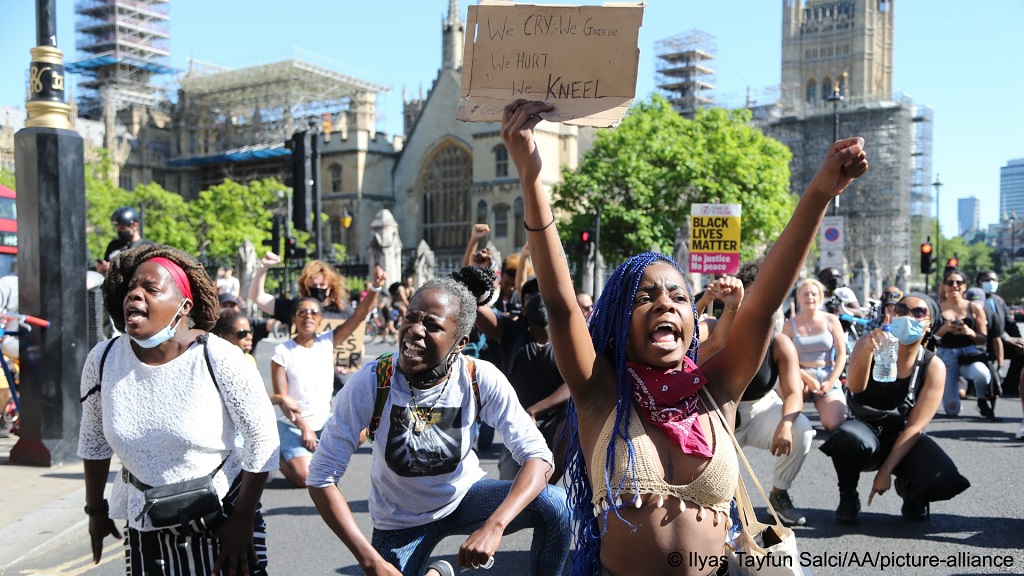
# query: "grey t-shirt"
417 478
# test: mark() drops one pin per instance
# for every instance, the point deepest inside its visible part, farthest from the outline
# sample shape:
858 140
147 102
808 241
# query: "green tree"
229 213
971 257
647 172
7 178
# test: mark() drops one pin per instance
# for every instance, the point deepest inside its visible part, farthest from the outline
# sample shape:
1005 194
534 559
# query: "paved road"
986 520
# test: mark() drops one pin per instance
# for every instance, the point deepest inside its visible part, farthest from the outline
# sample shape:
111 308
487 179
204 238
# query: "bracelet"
544 227
101 510
736 308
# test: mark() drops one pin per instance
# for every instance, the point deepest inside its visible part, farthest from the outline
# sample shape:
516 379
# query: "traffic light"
274 242
290 248
927 258
586 236
302 172
952 262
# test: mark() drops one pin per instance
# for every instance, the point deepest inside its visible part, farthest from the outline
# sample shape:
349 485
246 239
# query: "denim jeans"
409 549
976 373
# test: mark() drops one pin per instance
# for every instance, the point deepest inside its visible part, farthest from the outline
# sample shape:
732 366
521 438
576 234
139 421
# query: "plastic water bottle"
885 357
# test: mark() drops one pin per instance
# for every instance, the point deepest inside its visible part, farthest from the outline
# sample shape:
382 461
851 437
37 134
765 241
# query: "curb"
42 528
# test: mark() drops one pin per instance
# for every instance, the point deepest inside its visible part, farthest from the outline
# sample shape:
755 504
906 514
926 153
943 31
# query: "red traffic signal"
927 259
586 236
952 262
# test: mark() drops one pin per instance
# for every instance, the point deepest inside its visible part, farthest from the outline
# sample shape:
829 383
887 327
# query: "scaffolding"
682 70
261 105
126 43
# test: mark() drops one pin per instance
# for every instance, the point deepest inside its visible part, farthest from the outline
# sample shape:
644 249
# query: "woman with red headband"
169 399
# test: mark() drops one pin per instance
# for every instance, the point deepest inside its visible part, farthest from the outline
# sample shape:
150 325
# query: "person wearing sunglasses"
235 328
302 372
961 328
885 431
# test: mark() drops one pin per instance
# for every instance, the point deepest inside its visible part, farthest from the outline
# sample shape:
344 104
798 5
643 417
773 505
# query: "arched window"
501 220
500 161
842 83
812 91
335 178
518 213
826 88
445 183
481 212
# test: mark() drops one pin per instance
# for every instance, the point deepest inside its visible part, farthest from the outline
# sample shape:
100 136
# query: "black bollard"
50 173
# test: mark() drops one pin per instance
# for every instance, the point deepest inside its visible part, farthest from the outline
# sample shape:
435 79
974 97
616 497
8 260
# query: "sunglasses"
307 312
955 282
919 312
243 333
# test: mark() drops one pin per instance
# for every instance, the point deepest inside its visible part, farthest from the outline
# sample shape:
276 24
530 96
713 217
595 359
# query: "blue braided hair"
609 329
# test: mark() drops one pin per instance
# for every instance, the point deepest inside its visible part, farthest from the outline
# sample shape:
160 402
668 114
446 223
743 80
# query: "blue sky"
962 59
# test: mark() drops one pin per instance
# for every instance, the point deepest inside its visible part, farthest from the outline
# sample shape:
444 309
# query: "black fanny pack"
193 503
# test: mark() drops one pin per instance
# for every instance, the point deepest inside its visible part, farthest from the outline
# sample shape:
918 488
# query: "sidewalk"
37 505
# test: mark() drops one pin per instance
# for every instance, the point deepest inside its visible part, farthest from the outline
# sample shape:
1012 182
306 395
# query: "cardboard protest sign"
581 59
350 353
715 238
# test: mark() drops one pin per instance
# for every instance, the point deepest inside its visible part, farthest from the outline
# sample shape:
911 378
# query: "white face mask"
163 335
990 286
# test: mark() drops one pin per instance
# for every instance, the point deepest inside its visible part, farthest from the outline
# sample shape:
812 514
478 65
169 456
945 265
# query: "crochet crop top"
714 488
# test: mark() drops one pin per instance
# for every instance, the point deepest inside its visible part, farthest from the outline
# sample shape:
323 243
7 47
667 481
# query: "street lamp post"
835 98
1013 254
938 232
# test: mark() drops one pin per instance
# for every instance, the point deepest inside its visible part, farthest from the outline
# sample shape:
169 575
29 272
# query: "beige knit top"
714 488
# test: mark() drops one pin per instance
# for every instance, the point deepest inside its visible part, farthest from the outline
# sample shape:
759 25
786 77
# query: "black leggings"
928 472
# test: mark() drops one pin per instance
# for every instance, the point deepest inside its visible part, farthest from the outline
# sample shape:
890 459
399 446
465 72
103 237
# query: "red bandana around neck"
668 399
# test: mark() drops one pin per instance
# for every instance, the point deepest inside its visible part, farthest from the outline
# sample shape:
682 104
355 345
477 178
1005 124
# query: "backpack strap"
384 370
205 340
103 360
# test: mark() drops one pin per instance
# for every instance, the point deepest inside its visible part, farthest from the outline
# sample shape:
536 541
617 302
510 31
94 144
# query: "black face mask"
432 375
318 293
536 312
125 236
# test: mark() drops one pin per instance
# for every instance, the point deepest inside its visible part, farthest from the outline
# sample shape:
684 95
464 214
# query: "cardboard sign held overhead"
581 59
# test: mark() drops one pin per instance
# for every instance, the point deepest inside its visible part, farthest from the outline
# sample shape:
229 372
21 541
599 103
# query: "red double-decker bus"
8 230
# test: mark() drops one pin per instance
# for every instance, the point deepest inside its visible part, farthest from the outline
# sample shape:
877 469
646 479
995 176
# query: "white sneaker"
1020 433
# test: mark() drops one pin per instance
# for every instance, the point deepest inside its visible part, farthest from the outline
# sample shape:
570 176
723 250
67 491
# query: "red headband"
177 274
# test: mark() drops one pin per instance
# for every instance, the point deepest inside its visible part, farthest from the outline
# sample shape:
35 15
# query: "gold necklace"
421 417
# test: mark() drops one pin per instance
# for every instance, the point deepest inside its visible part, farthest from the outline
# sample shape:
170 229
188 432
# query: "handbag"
759 549
191 504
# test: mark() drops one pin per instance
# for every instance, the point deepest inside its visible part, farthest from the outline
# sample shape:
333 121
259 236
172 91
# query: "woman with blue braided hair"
651 470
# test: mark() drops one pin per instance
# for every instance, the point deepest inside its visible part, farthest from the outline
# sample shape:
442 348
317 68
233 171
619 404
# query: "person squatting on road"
645 477
961 328
302 372
168 400
821 346
426 480
886 432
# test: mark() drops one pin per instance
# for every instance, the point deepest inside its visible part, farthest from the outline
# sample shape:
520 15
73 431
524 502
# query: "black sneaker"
783 506
916 511
849 508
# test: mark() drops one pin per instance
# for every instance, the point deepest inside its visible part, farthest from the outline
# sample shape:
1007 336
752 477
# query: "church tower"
830 43
452 38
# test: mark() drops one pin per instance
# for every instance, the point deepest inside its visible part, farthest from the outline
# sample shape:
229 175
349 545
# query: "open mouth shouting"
666 336
134 314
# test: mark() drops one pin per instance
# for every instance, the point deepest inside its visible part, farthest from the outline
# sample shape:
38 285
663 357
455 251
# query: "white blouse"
168 423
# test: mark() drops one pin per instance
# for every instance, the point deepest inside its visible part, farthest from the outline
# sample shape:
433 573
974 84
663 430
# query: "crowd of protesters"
612 411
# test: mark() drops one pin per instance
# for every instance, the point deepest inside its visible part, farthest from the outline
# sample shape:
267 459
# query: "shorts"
821 373
291 441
